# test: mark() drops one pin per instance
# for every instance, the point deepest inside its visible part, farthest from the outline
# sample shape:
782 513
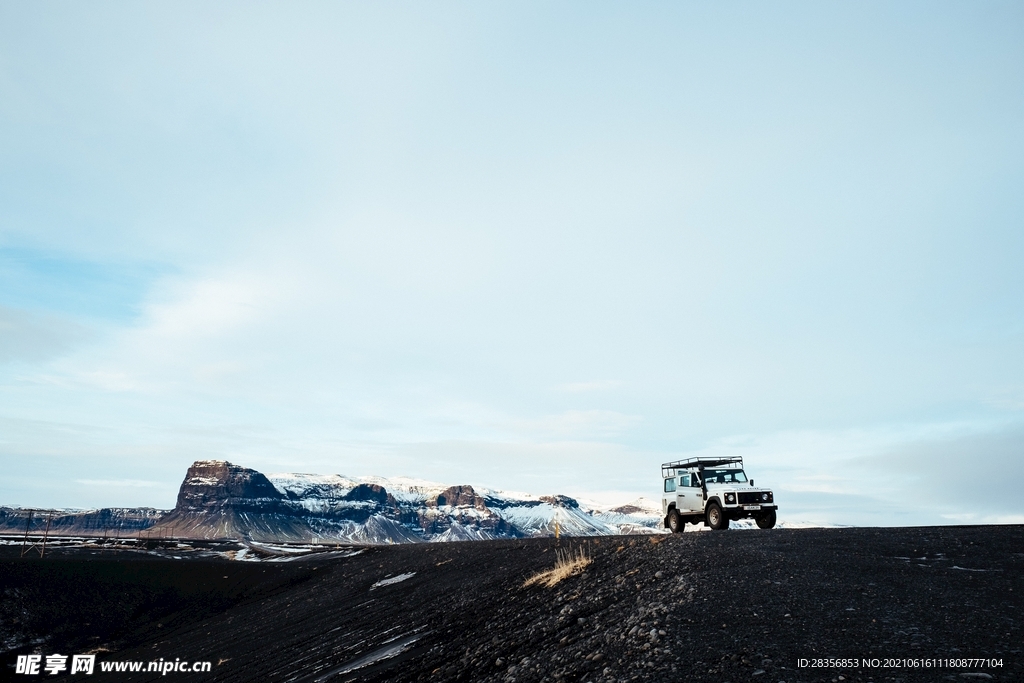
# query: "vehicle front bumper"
737 511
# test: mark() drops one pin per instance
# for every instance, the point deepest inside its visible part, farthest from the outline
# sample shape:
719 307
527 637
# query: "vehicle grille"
753 498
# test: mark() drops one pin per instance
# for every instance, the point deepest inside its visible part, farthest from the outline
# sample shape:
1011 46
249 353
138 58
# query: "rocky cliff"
220 500
216 484
113 522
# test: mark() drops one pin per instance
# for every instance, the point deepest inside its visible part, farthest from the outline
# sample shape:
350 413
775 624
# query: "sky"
533 246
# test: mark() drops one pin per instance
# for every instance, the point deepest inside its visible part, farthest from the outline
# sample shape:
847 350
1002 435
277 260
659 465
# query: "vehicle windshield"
724 477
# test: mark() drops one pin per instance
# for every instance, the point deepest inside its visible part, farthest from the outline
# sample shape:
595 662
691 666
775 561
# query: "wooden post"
24 541
46 535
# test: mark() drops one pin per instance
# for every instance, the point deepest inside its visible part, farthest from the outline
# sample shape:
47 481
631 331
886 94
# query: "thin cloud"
34 336
579 424
584 387
132 483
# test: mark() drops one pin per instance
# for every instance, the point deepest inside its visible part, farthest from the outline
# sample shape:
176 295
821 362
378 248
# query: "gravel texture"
715 606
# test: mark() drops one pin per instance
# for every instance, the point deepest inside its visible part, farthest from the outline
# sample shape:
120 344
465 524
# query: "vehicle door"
669 495
684 494
695 494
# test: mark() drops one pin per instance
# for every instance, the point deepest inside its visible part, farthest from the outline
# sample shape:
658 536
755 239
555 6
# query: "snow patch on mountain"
376 530
641 515
319 486
458 532
542 518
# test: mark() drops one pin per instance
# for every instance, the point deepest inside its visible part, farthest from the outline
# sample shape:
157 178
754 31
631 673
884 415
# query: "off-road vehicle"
714 491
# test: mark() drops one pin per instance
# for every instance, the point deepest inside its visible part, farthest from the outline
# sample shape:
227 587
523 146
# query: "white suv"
713 491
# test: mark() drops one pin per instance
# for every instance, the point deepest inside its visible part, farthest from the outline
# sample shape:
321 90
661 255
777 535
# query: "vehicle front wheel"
675 522
766 520
715 518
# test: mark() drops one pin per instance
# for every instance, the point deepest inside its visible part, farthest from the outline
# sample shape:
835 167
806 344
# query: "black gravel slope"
714 606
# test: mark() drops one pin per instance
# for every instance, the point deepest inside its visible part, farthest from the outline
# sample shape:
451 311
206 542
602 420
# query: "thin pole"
46 534
24 541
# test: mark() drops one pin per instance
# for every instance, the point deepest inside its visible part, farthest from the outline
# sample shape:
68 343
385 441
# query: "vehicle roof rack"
699 463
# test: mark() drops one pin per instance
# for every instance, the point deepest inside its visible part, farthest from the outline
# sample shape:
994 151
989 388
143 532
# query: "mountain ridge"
218 500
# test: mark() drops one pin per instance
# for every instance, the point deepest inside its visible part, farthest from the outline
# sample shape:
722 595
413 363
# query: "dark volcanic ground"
715 606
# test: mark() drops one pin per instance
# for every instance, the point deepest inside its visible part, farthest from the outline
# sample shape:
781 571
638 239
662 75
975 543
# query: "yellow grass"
567 564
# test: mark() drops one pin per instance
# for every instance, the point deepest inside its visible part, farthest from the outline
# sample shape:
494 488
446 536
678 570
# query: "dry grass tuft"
567 564
655 540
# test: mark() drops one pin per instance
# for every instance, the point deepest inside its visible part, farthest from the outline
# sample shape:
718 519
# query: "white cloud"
209 307
196 330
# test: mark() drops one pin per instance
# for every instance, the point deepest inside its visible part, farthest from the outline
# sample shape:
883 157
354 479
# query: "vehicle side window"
695 481
670 485
684 480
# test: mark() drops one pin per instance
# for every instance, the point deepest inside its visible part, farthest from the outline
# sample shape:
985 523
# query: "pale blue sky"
539 246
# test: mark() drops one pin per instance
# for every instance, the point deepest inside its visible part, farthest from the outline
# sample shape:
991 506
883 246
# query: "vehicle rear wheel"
675 522
715 518
766 520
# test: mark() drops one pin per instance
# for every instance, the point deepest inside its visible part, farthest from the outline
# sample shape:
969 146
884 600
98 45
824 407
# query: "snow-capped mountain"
437 512
219 500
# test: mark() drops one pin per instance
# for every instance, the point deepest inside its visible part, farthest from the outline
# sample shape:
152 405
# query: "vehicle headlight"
730 498
764 496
